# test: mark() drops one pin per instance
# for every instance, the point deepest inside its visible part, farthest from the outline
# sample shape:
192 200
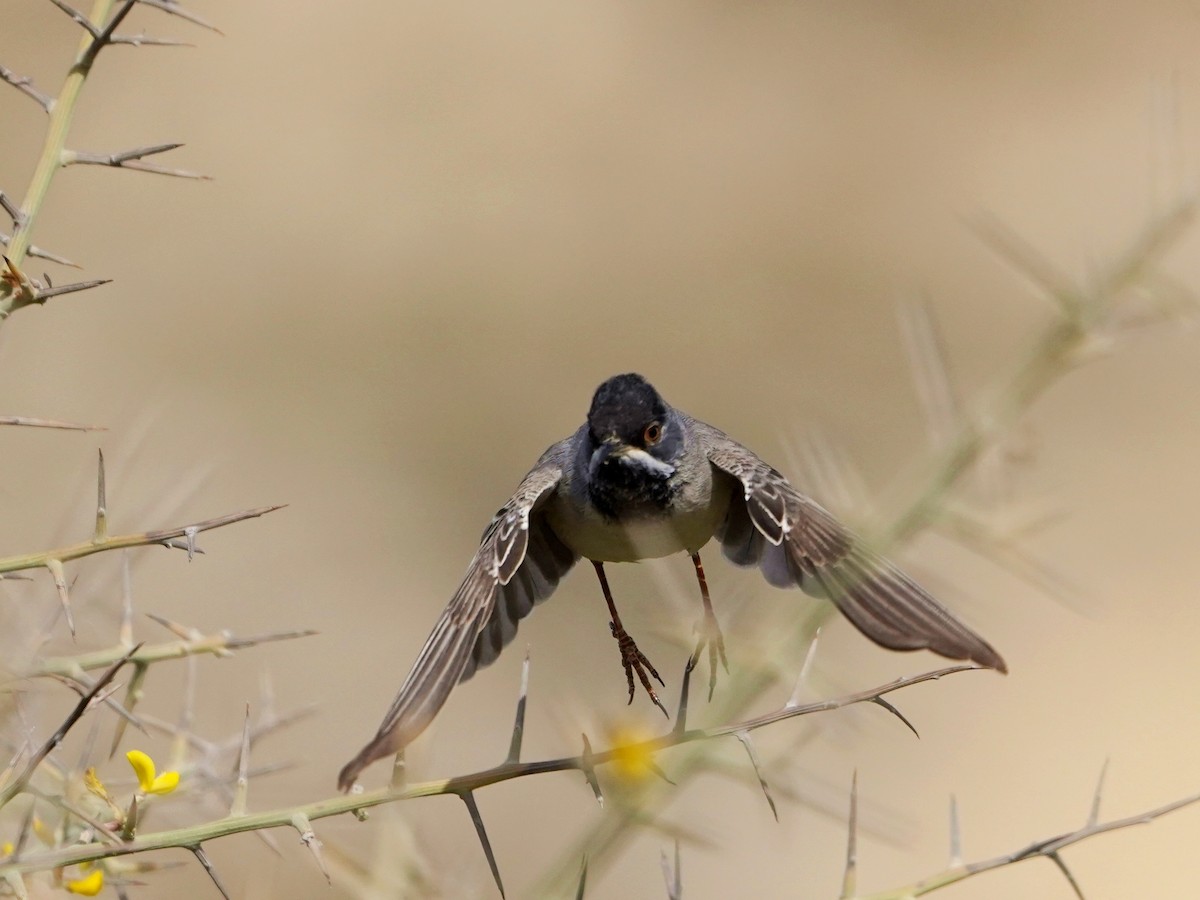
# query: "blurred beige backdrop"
434 228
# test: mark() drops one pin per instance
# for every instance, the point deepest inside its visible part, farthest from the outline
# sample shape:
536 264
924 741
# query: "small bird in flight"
642 480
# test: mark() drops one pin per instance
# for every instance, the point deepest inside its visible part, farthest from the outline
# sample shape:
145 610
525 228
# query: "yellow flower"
143 767
92 782
633 758
89 886
6 849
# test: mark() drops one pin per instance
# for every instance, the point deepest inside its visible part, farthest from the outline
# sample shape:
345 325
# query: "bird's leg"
710 633
631 657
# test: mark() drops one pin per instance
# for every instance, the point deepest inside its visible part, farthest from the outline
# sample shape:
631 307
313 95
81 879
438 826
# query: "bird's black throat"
619 491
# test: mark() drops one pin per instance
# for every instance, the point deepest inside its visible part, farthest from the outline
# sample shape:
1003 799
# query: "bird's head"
634 436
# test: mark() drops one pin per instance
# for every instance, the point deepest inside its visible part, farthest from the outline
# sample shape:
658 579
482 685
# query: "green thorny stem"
12 297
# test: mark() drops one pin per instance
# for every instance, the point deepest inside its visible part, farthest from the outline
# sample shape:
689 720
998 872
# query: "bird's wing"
546 560
795 541
519 562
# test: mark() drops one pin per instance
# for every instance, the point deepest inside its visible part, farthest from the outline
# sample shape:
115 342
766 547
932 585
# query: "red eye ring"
653 433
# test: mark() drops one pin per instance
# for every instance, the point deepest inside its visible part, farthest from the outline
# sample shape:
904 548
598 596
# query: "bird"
639 480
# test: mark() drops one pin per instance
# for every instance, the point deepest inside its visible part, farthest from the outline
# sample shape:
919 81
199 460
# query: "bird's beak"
629 456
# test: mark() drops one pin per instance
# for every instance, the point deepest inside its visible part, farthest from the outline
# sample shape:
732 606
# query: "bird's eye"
653 433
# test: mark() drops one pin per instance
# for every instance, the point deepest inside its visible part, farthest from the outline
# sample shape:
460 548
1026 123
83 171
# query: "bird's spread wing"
519 562
546 560
795 541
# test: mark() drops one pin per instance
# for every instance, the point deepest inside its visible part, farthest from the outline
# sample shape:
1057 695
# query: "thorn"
399 777
198 852
879 701
43 295
28 422
125 633
133 694
187 711
744 737
588 767
129 826
673 878
89 745
685 688
850 878
172 544
242 785
131 159
468 797
144 40
518 732
1062 867
177 629
172 7
42 253
805 670
657 770
956 858
55 569
237 643
309 838
26 831
25 86
583 869
1014 250
78 18
101 532
14 213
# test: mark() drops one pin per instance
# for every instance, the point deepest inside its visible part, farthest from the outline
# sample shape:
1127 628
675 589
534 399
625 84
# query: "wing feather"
519 562
796 542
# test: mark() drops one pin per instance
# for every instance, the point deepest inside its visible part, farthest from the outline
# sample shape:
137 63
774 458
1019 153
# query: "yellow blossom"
89 886
6 849
633 758
143 767
94 785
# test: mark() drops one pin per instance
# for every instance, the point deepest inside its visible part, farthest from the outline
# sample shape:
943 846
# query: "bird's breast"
686 525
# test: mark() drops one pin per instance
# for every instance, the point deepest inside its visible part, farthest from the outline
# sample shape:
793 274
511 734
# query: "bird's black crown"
624 405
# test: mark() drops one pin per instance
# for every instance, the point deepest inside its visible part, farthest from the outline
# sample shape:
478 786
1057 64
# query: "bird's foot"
712 638
634 660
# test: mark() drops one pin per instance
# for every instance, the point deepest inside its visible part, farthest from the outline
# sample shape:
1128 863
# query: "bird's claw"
634 660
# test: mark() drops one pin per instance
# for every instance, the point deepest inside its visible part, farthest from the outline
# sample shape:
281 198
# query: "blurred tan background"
435 228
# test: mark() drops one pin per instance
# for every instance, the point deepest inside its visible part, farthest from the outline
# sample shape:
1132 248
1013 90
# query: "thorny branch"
1047 848
16 289
17 784
131 159
221 644
33 422
24 84
167 536
459 785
